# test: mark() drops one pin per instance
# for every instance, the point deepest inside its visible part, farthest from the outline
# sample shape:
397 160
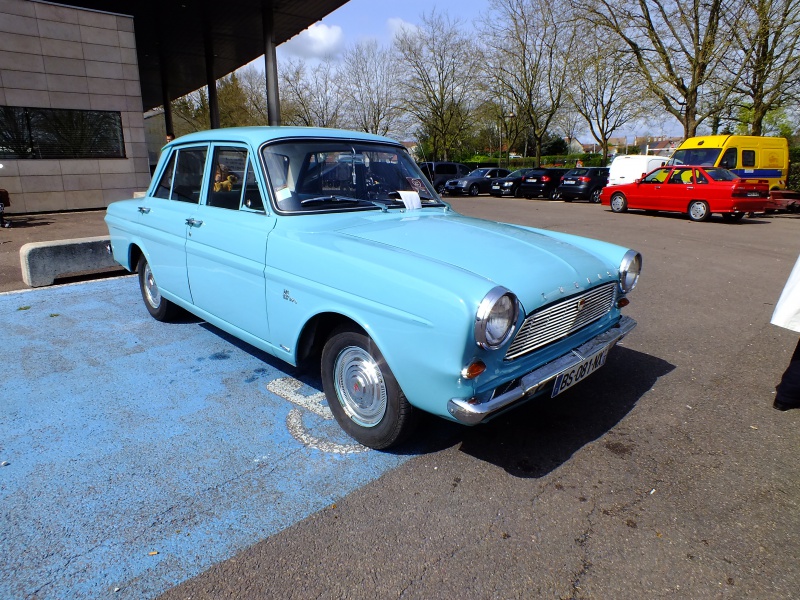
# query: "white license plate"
568 182
566 379
495 187
752 194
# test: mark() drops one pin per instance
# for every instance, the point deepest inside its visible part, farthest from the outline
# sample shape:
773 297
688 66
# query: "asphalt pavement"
667 474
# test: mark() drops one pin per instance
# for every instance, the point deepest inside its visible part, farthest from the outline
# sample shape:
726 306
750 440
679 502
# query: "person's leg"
788 391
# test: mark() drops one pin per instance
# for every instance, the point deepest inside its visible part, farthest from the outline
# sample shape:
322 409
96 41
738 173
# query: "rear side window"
446 169
183 177
748 158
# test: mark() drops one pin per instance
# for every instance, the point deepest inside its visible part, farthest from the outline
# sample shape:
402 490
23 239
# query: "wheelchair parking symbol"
287 388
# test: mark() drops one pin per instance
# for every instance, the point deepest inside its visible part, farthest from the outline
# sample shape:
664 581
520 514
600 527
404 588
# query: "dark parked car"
541 183
583 183
477 182
508 185
439 172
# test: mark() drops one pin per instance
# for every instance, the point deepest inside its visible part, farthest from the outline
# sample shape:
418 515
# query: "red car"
697 191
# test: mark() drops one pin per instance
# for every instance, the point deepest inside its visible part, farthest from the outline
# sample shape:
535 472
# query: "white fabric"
411 200
787 310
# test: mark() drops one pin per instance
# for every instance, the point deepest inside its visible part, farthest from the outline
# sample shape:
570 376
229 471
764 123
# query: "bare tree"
768 41
607 91
679 47
438 86
371 96
311 97
526 61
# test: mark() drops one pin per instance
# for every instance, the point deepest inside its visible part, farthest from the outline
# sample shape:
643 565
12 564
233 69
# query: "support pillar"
211 82
270 64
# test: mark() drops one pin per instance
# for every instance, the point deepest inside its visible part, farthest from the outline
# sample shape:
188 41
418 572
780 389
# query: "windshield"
699 157
326 175
518 173
479 173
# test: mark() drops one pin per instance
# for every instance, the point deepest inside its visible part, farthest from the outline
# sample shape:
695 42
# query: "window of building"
52 133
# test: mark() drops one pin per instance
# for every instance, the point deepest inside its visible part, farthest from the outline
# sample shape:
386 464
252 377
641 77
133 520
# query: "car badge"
581 304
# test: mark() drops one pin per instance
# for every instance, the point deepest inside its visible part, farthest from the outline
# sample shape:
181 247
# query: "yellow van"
749 156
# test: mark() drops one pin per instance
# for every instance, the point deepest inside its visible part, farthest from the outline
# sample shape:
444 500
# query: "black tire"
362 393
516 193
473 190
594 197
159 307
619 203
698 211
555 195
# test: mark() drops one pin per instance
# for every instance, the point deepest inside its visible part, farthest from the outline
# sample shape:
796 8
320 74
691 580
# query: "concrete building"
75 82
62 66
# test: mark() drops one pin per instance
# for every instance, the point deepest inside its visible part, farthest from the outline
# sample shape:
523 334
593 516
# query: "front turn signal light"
471 371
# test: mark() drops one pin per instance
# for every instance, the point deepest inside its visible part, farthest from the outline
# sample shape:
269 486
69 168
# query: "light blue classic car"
331 246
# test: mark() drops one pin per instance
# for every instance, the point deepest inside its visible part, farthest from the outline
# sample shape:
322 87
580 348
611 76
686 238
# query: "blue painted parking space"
137 453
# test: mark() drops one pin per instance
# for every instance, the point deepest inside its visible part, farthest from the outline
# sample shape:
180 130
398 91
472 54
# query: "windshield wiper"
344 199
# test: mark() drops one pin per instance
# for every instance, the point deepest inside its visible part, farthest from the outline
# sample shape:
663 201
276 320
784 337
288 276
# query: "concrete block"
43 262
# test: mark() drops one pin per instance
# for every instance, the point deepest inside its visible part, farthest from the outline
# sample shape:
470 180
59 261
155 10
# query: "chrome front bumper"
472 414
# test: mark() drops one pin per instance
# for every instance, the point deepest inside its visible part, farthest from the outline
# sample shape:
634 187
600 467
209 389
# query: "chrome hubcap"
698 210
151 287
359 386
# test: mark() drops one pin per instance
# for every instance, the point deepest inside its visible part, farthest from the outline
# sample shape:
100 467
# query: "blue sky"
359 20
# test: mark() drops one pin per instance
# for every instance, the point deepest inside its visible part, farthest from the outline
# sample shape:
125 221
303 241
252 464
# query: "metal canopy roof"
173 32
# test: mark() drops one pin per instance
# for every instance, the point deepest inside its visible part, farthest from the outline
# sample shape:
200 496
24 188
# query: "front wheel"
473 189
699 211
362 393
159 307
618 203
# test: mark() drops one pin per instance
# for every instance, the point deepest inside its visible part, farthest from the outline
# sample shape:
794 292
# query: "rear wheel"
159 307
618 203
594 197
699 211
362 393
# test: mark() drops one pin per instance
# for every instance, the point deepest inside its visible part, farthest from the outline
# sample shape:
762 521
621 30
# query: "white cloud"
318 41
396 25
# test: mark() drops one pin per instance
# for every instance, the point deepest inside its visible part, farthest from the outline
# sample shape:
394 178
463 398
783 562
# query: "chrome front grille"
559 320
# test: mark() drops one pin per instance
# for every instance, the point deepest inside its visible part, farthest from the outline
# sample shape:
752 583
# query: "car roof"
259 135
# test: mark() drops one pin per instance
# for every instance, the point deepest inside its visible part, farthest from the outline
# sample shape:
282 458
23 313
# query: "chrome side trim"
472 414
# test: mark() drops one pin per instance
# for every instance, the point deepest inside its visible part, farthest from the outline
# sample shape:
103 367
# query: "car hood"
535 265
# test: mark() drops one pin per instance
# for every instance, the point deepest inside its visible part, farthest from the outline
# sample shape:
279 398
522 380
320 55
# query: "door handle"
193 222
144 210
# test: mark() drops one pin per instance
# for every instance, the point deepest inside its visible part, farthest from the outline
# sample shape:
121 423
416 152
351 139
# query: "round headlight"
629 270
496 318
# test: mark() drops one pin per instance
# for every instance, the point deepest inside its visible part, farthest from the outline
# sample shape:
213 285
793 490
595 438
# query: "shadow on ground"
533 440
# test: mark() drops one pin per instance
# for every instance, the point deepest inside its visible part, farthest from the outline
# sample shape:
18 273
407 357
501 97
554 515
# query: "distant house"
659 145
616 145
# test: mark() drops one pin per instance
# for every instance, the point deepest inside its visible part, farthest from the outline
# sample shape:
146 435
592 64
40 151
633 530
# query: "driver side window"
728 159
